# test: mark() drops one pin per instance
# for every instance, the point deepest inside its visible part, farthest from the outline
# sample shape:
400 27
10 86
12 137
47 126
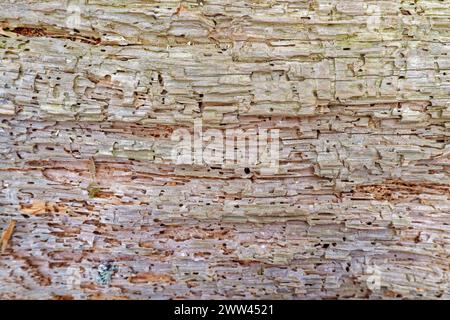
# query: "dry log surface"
92 205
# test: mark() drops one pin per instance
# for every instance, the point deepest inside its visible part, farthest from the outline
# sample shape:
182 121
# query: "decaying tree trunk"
93 205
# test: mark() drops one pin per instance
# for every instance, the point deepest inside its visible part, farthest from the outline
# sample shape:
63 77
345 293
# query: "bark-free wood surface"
93 206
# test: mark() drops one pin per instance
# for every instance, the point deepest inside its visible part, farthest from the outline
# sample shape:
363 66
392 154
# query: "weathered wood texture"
358 89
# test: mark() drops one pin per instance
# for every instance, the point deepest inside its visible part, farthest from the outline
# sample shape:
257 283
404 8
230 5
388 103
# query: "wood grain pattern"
91 92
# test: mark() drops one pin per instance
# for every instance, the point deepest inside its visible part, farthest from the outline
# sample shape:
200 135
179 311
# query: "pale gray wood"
90 93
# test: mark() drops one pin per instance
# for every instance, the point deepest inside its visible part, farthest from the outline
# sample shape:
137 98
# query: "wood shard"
7 234
35 208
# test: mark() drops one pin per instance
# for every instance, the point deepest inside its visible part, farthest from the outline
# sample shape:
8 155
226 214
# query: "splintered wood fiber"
94 206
